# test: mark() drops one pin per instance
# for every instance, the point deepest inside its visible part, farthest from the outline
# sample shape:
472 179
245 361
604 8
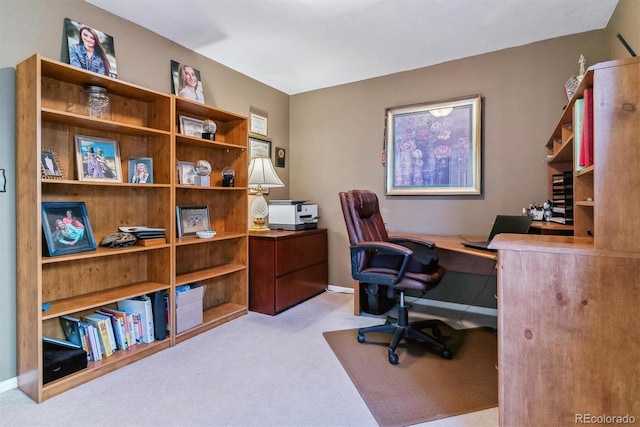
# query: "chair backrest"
362 216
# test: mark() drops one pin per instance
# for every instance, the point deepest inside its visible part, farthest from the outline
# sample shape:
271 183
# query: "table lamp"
261 175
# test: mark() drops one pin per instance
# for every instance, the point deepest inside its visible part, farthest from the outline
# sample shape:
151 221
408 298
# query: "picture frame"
50 165
434 148
190 126
281 155
104 54
186 173
186 82
192 218
259 147
140 170
66 228
98 159
258 124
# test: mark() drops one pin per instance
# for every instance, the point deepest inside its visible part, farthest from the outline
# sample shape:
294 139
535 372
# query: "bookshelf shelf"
98 299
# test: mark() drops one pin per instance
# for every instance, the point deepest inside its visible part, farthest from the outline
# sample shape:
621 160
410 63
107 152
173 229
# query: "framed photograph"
259 148
258 124
191 219
50 165
433 149
186 173
186 82
98 159
191 127
281 155
90 49
66 228
140 170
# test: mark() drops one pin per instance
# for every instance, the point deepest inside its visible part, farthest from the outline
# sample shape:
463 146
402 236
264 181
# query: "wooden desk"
567 323
453 257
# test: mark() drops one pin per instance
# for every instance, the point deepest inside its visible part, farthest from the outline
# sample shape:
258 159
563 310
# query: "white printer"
292 215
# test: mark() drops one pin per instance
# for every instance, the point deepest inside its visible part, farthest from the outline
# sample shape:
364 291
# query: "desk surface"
451 243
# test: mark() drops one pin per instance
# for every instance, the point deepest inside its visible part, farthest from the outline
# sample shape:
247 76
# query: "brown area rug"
422 386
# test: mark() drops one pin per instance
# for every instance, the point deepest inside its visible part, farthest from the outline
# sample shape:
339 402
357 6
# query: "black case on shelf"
60 359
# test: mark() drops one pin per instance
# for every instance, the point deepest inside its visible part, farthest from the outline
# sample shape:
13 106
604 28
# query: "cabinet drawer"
301 252
301 285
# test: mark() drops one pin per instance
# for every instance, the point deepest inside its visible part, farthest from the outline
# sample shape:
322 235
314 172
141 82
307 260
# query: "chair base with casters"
403 330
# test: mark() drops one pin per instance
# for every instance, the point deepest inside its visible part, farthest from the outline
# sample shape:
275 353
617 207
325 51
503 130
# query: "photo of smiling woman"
90 49
186 82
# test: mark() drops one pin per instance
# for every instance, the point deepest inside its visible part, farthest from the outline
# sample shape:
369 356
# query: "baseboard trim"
9 384
341 289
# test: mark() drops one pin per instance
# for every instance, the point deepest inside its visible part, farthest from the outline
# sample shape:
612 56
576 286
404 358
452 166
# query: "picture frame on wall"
140 170
259 147
66 228
50 165
191 219
434 148
97 159
281 155
258 124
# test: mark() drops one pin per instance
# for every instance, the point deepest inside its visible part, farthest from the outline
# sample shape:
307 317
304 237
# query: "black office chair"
398 264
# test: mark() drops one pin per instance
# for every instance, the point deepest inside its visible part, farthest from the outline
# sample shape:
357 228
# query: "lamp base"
259 226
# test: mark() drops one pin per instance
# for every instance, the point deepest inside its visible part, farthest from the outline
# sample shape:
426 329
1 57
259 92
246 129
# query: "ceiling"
300 45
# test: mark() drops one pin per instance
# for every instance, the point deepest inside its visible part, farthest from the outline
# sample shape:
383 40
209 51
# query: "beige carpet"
422 386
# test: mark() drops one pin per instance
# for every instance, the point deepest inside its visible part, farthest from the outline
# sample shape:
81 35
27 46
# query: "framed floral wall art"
434 148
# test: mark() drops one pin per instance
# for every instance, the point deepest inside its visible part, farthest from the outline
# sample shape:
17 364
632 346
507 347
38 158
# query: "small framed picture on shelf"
50 165
259 147
66 228
191 219
258 124
186 82
141 170
186 173
190 126
98 159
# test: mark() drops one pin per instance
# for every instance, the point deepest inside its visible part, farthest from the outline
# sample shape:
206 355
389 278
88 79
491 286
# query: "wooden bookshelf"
144 122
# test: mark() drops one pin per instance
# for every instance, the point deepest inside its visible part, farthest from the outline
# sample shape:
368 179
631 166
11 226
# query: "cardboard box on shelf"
189 307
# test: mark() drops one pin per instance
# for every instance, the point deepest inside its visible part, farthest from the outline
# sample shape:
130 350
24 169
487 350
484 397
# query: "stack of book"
147 236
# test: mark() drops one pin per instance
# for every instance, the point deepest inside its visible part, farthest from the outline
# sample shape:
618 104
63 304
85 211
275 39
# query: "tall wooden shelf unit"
144 122
221 262
567 306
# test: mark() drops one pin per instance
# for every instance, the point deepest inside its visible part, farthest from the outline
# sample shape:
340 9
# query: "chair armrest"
387 247
414 238
389 277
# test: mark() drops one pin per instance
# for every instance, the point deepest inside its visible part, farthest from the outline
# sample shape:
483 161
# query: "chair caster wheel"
360 337
393 358
446 353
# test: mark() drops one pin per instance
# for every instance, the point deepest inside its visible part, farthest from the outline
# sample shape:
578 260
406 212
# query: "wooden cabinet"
220 262
49 115
286 268
567 306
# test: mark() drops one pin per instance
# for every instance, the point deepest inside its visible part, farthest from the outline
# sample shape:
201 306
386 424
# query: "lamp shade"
262 173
